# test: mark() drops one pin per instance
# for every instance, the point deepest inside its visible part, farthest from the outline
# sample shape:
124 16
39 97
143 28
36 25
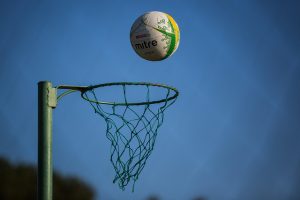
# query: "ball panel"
157 20
151 48
136 24
175 28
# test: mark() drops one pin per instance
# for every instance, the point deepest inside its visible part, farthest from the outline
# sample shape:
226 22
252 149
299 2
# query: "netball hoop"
132 117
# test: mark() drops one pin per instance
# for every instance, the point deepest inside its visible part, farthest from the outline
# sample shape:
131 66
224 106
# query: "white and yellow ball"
154 36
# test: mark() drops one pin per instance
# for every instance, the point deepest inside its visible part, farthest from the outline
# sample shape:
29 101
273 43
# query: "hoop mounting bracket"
52 97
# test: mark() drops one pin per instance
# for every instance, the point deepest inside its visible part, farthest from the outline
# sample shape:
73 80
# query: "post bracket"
52 97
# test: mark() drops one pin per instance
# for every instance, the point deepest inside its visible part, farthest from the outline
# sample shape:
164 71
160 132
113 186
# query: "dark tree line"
19 182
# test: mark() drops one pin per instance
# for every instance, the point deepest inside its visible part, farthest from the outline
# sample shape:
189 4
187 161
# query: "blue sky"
233 132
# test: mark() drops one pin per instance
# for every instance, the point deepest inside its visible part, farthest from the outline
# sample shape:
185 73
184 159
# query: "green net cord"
132 131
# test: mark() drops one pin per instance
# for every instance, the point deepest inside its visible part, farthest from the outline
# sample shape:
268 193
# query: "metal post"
46 103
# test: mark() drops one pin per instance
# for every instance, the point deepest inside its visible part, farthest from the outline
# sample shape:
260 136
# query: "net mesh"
132 131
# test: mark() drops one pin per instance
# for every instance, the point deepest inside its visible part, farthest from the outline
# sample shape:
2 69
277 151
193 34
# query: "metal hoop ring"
84 96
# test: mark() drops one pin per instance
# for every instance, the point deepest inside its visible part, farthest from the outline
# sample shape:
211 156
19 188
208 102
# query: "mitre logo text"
146 45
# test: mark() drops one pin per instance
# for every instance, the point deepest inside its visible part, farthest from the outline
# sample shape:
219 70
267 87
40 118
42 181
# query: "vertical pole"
45 106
